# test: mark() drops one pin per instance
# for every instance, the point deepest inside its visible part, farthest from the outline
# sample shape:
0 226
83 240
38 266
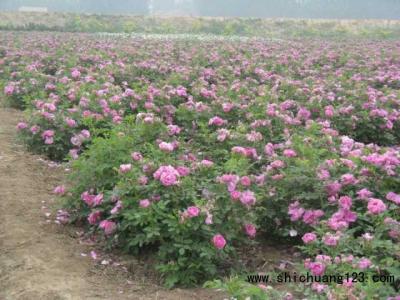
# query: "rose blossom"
219 241
94 217
59 190
144 203
309 237
248 198
192 211
376 206
136 156
364 263
125 168
108 226
250 230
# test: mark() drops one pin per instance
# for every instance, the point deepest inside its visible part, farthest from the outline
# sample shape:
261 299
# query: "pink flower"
75 73
136 156
47 134
183 171
108 226
34 129
247 198
70 122
219 241
303 114
269 149
9 89
49 141
22 125
316 268
98 199
348 282
167 147
144 203
167 175
309 237
277 164
318 287
329 112
94 217
330 239
333 188
250 230
245 181
59 190
289 153
345 202
217 121
192 211
376 206
235 195
125 168
311 216
364 194
207 163
116 208
143 180
295 211
173 129
364 263
85 133
87 198
393 197
348 179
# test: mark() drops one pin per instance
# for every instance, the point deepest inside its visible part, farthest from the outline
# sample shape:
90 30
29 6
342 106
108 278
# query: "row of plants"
186 150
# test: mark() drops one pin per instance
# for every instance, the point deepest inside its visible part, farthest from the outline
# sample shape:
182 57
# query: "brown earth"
38 258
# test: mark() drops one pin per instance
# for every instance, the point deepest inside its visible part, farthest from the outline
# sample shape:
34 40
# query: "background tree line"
349 9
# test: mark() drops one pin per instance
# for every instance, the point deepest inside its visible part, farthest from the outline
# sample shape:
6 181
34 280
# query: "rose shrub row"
187 151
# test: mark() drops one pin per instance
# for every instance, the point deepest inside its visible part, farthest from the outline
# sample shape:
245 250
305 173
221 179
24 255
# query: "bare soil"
38 258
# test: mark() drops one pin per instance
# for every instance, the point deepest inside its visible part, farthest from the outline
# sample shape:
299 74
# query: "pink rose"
317 268
206 163
395 198
219 241
245 181
248 198
376 206
144 203
75 74
250 230
167 175
136 156
309 237
289 153
235 195
168 147
364 263
193 211
59 190
108 226
21 125
125 168
94 217
345 202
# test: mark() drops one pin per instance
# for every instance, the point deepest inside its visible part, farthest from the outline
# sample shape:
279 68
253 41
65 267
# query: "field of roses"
186 150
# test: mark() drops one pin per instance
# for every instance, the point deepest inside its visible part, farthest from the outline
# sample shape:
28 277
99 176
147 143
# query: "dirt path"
38 260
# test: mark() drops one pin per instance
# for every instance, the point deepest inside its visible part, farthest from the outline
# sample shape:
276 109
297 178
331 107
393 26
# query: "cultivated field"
208 158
